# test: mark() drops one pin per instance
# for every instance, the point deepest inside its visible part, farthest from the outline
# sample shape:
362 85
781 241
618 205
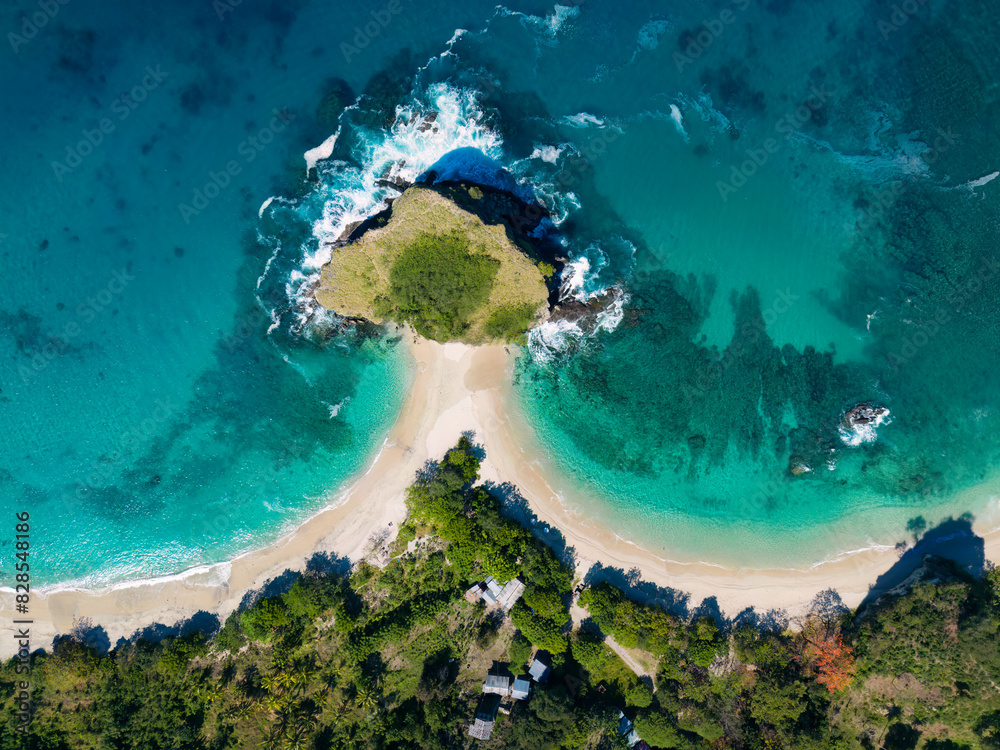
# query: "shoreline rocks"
583 313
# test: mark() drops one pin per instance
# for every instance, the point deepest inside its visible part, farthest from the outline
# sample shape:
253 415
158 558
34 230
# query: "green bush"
462 461
304 600
702 653
519 651
546 603
544 633
437 284
231 637
778 705
656 729
590 652
639 695
509 322
265 619
694 719
177 653
993 585
501 565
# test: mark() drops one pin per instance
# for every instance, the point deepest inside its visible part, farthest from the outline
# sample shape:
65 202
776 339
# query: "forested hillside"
395 657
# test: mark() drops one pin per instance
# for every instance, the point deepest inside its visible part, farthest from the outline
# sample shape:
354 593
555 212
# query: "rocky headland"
456 261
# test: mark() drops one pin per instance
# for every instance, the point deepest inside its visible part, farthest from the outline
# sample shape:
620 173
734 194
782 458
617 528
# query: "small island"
445 261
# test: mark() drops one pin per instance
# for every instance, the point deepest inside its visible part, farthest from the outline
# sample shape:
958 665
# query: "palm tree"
367 696
299 731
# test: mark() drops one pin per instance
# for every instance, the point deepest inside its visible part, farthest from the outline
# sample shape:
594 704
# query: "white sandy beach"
456 389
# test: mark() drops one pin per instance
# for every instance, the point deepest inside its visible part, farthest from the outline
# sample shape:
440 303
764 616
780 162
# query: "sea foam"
354 187
859 434
649 36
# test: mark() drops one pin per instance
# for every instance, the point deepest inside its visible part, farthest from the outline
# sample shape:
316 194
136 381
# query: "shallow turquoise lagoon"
793 202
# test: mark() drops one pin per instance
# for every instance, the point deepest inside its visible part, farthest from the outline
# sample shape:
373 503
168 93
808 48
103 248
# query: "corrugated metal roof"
481 730
511 593
624 725
538 670
520 688
496 683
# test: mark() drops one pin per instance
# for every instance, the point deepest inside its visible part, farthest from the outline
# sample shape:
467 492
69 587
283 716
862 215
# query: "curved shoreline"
851 573
455 389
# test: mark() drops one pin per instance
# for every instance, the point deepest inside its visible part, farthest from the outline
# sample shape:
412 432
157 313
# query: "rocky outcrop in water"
433 243
584 314
865 414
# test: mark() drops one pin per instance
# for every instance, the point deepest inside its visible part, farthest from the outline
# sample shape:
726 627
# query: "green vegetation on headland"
394 657
440 268
437 285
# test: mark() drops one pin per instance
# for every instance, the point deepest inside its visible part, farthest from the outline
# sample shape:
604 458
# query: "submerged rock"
797 466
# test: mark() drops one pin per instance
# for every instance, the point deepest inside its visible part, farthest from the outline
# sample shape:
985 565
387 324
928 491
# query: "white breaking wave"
549 339
557 200
551 24
322 151
577 276
705 108
545 341
585 279
202 576
678 119
559 205
984 180
548 154
609 318
862 433
402 154
275 321
351 192
264 205
583 120
581 281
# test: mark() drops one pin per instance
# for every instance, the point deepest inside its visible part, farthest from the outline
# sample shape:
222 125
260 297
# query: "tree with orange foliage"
833 661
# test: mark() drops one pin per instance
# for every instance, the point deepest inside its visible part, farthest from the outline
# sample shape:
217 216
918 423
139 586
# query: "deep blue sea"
793 203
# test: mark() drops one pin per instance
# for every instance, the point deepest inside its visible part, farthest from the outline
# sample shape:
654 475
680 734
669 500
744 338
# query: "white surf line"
984 180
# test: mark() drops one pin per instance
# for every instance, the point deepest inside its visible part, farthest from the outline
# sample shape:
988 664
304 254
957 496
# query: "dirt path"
632 664
578 614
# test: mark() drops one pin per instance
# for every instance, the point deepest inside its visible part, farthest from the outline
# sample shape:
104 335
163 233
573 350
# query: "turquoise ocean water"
793 201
